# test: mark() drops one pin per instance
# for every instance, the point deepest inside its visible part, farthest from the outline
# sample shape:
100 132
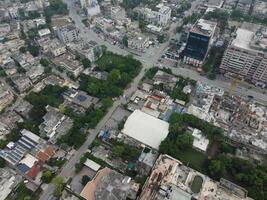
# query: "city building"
199 40
67 33
171 179
246 56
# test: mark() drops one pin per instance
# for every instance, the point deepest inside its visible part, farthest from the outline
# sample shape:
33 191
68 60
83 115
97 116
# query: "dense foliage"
77 134
50 95
125 151
121 70
252 177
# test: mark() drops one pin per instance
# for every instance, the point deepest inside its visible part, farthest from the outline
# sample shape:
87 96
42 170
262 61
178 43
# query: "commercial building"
246 56
146 129
171 179
199 39
67 33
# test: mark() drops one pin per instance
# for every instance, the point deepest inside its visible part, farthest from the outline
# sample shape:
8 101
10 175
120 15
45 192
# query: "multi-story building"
244 6
246 56
260 9
67 33
161 16
199 39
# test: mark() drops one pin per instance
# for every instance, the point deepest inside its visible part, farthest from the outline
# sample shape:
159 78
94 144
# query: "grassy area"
193 158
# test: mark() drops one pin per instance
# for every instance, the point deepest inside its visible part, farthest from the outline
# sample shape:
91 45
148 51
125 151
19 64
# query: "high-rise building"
246 56
199 39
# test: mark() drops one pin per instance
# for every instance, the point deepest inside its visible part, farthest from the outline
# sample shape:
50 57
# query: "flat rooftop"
146 129
204 27
243 38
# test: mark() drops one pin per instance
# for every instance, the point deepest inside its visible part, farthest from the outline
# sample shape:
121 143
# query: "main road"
148 59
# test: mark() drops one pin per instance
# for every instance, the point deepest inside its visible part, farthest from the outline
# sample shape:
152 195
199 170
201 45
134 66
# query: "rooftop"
204 27
146 129
108 185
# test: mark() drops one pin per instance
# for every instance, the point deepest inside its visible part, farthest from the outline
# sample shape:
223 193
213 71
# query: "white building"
200 141
160 17
146 129
67 33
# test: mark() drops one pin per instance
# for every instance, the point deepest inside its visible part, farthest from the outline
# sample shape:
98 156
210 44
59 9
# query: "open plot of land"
76 184
193 158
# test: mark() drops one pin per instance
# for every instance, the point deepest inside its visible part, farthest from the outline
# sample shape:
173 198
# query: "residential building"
23 108
171 179
85 3
21 82
4 130
8 181
199 40
69 63
67 33
44 32
246 56
79 100
260 9
54 125
161 16
244 6
9 117
90 50
35 72
52 46
6 98
230 4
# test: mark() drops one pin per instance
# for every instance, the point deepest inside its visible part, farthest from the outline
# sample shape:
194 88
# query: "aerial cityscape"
133 100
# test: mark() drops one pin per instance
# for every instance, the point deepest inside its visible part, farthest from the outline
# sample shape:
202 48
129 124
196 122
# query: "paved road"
148 59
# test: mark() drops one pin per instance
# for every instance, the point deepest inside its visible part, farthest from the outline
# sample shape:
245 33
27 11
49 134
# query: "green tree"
2 163
184 141
86 63
34 50
125 40
85 180
44 62
59 186
216 169
47 176
118 151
